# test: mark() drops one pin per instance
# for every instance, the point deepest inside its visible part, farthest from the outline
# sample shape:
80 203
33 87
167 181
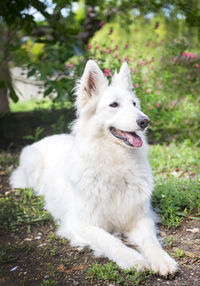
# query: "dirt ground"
38 257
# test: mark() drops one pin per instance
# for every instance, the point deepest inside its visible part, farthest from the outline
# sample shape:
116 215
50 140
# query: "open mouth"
129 138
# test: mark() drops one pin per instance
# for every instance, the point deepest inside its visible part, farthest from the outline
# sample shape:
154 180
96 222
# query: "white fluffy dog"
97 181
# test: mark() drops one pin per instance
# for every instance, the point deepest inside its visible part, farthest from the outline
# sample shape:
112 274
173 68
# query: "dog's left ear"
124 77
92 84
93 80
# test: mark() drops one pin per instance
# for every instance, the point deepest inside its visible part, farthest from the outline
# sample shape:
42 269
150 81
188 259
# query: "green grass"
34 104
20 210
29 105
9 253
177 181
111 273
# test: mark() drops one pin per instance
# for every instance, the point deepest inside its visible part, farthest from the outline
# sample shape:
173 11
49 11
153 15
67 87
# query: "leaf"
31 72
48 91
12 93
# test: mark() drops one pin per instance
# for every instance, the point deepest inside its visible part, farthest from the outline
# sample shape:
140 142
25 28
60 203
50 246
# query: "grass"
111 273
21 209
29 105
8 254
34 104
177 181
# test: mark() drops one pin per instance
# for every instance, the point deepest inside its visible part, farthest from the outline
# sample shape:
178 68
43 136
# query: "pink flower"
148 90
116 48
192 56
89 46
144 80
97 47
186 54
105 51
197 66
158 105
70 65
107 72
121 60
134 70
136 85
101 24
157 92
126 46
152 67
127 59
116 56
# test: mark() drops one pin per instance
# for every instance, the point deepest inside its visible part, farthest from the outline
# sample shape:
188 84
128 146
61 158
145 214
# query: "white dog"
97 181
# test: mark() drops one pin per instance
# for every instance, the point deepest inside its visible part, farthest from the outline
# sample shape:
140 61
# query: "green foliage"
36 136
180 253
49 282
169 241
165 72
111 273
60 126
21 210
8 253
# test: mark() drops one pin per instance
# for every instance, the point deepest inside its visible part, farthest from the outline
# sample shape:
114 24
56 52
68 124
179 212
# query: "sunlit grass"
30 105
34 104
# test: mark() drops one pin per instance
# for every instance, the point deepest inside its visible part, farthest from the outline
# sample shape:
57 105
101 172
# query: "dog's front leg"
144 236
106 244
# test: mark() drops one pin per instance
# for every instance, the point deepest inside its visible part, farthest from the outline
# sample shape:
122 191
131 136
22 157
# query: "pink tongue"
134 139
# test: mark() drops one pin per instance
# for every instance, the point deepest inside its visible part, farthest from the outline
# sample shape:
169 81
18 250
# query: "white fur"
94 184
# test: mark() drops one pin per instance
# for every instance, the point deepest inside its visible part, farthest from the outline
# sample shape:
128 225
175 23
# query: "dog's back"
37 158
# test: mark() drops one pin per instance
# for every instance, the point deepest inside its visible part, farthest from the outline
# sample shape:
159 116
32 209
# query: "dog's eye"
114 104
134 103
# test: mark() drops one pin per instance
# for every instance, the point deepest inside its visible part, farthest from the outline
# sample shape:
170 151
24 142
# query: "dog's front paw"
163 264
136 261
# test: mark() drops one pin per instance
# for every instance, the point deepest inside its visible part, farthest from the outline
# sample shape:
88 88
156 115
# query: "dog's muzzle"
143 122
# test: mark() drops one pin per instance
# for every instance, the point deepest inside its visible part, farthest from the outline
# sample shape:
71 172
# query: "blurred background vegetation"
52 40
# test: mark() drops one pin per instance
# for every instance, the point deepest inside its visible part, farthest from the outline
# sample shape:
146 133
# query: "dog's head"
110 110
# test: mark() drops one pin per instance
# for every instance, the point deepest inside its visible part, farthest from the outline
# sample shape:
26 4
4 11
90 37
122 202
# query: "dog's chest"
113 197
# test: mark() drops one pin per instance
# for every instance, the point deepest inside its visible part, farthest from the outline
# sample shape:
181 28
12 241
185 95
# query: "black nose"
143 122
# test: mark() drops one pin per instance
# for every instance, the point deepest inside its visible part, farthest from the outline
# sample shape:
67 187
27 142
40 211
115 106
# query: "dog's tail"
28 174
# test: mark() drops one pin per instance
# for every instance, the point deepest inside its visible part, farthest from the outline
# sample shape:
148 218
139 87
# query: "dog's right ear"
92 83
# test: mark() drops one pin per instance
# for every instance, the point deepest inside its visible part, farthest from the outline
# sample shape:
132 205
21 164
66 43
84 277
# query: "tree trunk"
4 77
4 104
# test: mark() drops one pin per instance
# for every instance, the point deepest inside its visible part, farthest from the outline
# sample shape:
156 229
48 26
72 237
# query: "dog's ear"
93 81
123 77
